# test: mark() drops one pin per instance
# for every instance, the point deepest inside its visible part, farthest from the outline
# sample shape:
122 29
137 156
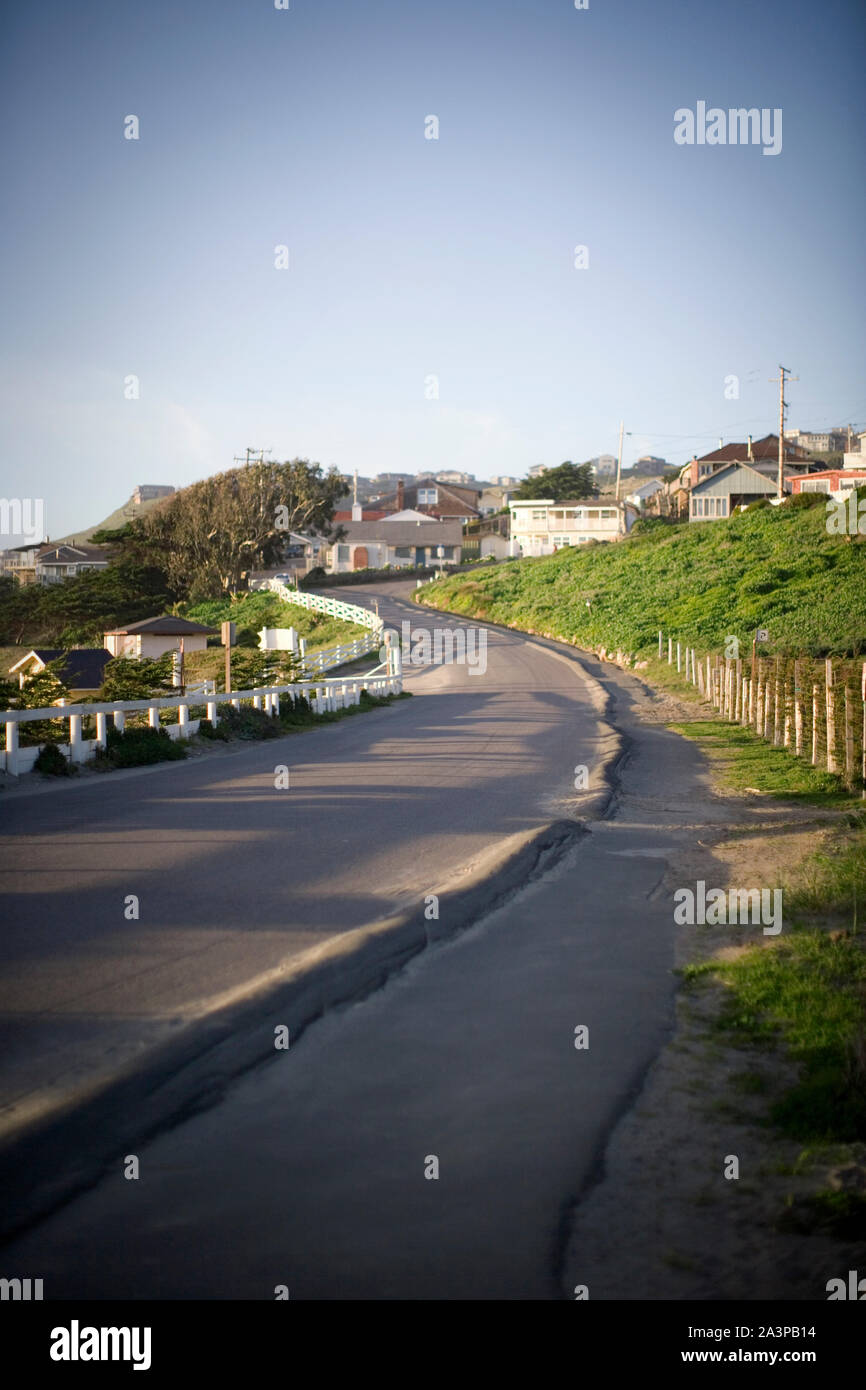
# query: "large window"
539 514
404 552
427 496
342 554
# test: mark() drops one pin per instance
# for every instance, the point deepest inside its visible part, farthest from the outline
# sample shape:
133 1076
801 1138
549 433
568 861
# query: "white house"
542 526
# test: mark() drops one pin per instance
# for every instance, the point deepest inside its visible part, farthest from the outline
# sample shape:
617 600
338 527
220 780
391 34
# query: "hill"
774 567
113 522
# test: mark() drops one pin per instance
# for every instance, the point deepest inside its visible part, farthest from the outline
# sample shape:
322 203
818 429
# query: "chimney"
750 456
357 513
400 495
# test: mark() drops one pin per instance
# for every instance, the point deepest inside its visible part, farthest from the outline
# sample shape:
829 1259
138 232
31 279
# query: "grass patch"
745 760
806 993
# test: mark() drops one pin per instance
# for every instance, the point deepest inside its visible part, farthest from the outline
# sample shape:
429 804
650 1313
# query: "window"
607 513
815 485
403 552
539 515
557 516
427 496
342 554
704 470
447 552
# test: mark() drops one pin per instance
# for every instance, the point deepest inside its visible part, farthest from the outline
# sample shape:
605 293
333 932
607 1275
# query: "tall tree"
207 536
567 483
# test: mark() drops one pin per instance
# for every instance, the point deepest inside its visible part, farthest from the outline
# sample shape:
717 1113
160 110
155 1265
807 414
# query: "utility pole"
619 460
783 372
252 456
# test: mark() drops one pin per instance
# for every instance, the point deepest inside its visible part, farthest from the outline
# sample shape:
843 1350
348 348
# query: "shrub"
214 731
136 747
52 762
249 723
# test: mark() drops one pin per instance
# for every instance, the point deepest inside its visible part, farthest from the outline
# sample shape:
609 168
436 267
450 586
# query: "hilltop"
774 567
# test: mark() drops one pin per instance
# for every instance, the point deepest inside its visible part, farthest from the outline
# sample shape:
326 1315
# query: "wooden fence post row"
770 695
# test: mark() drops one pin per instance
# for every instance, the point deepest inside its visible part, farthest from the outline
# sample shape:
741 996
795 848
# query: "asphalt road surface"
428 1141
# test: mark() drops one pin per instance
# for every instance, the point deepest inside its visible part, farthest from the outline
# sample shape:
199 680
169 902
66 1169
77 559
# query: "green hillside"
774 567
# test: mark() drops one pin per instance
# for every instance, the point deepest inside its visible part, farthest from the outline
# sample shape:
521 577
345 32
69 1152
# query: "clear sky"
412 257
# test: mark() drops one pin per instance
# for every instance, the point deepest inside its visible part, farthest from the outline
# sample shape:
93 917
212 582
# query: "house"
415 539
20 563
645 494
761 455
60 562
836 482
542 526
493 499
604 466
444 501
151 637
735 485
83 671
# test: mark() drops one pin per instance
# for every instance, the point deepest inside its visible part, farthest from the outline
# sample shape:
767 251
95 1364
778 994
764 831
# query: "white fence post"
12 747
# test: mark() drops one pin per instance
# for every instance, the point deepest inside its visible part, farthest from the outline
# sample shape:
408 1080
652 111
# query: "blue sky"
412 257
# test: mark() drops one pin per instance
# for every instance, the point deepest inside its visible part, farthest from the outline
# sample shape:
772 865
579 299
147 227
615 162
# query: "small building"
152 637
83 671
720 493
542 526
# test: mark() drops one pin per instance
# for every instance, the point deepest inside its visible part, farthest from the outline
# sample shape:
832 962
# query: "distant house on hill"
152 637
83 670
720 493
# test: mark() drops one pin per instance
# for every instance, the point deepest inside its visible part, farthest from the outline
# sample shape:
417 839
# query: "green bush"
249 723
214 731
52 762
136 747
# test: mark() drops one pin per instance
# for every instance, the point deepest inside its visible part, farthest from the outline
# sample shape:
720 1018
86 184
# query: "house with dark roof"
83 671
151 637
762 455
444 501
59 562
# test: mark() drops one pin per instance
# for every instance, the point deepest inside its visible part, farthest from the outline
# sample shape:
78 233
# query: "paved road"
235 878
312 1171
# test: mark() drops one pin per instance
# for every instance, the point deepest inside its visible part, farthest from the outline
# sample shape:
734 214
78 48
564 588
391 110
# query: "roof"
748 480
367 514
83 669
427 532
766 448
71 555
647 489
409 514
161 627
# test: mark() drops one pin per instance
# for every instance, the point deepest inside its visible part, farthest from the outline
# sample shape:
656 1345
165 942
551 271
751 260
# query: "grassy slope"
776 567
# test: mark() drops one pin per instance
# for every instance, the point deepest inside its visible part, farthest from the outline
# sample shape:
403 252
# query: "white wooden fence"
327 658
323 695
